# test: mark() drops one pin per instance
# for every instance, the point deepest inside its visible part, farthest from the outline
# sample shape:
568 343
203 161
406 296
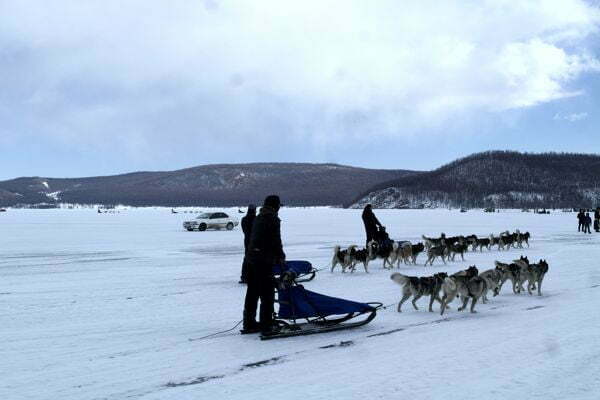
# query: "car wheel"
201 227
229 226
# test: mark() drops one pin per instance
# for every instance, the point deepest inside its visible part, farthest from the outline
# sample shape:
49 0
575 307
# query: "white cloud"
323 71
573 117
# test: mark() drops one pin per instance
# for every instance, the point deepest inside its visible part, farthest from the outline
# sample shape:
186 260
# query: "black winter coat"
370 220
247 223
265 248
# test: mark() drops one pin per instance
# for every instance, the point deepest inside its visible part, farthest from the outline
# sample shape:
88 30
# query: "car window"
215 216
223 215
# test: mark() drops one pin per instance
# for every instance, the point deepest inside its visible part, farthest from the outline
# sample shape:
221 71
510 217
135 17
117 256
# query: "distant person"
587 223
597 219
371 223
580 218
264 251
247 223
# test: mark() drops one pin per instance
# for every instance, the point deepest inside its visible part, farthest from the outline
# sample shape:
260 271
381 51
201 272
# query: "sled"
303 270
319 313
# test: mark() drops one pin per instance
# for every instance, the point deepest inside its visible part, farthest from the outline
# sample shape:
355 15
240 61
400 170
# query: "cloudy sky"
101 87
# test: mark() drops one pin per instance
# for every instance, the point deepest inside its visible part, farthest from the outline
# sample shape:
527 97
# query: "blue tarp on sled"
295 302
299 267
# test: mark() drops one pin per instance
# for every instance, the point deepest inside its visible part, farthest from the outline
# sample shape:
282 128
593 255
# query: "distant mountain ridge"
501 179
299 184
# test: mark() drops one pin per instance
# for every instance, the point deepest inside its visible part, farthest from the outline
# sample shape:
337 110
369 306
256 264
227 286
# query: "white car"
211 220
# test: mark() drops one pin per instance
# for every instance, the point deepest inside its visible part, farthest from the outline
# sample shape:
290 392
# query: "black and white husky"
388 255
360 256
341 257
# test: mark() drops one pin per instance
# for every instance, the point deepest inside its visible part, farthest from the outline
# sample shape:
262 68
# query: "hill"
299 184
501 179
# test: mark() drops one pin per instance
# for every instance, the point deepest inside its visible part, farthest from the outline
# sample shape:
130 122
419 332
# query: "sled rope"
218 333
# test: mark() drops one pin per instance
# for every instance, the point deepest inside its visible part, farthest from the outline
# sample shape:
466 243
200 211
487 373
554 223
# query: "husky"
472 241
469 288
509 272
523 263
507 240
431 242
388 255
492 279
360 256
523 238
494 241
458 248
404 253
536 273
450 289
436 251
341 257
416 249
418 287
483 242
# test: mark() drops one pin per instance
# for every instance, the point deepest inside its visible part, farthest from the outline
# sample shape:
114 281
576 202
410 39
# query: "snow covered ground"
103 306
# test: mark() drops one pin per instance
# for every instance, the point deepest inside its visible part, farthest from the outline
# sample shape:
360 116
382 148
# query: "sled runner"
320 313
303 269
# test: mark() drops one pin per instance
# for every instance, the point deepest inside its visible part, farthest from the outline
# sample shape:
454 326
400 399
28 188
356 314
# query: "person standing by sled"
264 251
371 223
597 219
247 223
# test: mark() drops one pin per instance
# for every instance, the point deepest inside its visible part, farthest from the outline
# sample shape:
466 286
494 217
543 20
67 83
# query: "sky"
93 88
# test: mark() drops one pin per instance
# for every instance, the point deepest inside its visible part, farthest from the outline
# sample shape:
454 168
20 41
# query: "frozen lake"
103 306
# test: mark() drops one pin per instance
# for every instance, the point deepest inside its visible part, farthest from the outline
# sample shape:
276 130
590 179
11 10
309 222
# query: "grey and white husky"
510 272
535 276
431 242
450 289
435 252
492 279
419 286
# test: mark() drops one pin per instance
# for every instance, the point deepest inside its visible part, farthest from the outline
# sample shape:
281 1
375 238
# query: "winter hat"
272 201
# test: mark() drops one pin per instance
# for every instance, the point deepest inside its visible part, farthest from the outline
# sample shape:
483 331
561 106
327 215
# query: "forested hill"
502 179
299 184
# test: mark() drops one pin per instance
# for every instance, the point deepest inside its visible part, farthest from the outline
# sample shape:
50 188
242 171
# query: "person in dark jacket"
371 223
264 251
580 218
597 219
247 222
587 223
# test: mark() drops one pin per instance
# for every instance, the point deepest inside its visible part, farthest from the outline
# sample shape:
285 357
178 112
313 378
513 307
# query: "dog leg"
404 298
473 302
539 286
417 297
462 255
464 305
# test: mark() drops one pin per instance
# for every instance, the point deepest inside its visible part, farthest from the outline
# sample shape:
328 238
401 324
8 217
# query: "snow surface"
103 306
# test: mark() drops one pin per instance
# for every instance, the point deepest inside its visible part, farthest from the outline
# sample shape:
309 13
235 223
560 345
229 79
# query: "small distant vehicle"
2 210
211 220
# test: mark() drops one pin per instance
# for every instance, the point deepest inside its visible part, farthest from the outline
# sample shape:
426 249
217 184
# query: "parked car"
211 220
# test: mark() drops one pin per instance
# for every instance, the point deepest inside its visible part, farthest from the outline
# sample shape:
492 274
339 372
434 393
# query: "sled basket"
321 313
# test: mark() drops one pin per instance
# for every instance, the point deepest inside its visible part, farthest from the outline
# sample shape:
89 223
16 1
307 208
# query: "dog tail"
399 278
